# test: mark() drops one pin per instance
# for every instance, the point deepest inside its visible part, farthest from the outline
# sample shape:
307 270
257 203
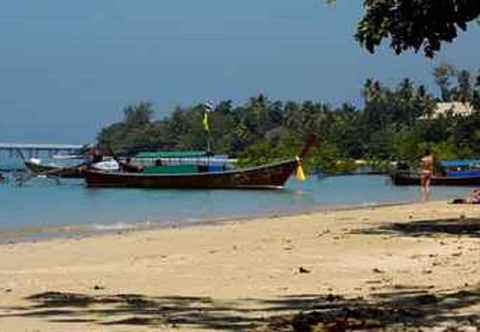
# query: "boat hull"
271 176
63 172
409 179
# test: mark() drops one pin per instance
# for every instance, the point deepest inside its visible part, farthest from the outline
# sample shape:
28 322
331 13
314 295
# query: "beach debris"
376 270
97 287
8 290
301 269
427 272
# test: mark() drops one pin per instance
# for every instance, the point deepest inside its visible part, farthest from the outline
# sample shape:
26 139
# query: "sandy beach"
419 262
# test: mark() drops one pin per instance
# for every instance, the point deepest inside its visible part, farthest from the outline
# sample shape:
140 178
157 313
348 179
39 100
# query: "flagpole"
208 143
208 107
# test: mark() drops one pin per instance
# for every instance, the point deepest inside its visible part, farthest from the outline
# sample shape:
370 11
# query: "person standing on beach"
426 165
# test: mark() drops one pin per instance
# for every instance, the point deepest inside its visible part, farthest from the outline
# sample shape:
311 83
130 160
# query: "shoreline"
79 231
239 275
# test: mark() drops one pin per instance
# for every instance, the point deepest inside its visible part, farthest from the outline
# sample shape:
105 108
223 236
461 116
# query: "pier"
34 149
14 151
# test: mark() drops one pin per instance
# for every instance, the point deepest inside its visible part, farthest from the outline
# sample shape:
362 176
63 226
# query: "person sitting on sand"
472 198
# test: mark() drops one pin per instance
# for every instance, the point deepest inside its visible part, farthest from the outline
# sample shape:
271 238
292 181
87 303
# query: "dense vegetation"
390 126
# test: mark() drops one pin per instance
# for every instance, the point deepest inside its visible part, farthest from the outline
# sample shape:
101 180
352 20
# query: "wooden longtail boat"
411 179
63 172
272 176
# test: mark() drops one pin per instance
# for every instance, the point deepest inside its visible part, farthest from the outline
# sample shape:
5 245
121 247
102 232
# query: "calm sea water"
43 207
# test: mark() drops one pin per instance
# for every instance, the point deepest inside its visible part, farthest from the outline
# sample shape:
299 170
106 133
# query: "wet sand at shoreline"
237 275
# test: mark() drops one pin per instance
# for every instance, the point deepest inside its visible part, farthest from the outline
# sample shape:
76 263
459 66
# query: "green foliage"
418 25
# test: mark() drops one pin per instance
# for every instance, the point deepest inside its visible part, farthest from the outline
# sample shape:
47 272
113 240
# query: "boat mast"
208 107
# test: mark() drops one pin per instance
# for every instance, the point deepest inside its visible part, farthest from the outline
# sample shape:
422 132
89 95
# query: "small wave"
118 226
113 227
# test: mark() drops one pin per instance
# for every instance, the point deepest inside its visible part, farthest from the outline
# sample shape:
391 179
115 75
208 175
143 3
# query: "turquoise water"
43 205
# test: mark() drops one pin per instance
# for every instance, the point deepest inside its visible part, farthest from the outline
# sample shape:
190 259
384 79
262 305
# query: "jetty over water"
33 149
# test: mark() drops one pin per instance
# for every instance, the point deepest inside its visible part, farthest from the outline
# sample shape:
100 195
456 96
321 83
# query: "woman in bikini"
426 164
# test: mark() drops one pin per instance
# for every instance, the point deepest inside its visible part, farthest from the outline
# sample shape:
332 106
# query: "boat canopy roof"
460 163
171 154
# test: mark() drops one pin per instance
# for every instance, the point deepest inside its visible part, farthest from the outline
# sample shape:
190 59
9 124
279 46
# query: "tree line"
394 124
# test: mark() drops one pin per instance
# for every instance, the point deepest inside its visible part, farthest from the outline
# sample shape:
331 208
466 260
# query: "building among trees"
455 108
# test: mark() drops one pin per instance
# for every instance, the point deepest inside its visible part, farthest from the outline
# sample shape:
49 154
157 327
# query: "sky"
68 68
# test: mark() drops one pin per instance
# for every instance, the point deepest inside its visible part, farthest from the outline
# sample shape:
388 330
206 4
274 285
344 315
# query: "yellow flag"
299 172
205 121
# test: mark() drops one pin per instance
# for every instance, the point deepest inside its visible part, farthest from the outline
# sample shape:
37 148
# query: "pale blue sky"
68 68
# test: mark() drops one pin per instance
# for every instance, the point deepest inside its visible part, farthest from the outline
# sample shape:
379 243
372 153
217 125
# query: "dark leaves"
414 24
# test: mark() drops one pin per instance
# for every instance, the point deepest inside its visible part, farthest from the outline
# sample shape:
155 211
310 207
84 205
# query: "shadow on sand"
466 227
409 307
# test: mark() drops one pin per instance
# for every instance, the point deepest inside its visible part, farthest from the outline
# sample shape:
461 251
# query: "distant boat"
462 168
453 173
36 167
75 171
272 176
409 179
